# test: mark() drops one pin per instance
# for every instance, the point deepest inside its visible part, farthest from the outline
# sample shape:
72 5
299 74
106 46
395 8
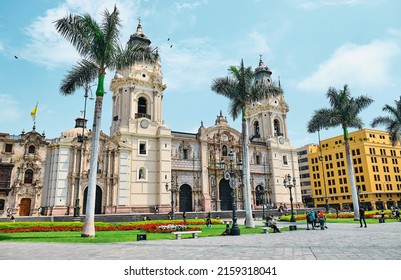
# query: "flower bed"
150 227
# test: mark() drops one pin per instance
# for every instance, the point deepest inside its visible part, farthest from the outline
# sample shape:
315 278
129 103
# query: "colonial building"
22 162
376 167
144 166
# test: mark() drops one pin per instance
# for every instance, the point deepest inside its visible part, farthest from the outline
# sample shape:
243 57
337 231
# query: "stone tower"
145 153
269 141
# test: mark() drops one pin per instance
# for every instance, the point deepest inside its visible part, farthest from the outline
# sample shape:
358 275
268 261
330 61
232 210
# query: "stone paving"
338 242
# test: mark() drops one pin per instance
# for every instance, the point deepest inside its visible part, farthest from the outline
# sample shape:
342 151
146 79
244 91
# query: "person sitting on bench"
272 223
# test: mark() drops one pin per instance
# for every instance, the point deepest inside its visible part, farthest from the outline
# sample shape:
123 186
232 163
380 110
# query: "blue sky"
308 45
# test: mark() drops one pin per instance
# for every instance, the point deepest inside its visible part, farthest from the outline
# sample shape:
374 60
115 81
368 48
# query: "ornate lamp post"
172 190
287 184
324 177
230 175
81 139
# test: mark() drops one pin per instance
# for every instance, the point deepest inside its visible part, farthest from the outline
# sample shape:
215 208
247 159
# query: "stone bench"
179 233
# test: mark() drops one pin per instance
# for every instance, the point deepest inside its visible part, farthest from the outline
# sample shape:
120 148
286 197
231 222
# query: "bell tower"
137 125
268 132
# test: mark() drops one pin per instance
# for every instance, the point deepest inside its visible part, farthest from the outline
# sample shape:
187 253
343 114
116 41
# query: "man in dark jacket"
362 216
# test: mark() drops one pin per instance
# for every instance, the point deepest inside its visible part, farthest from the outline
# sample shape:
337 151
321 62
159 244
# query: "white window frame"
285 157
139 147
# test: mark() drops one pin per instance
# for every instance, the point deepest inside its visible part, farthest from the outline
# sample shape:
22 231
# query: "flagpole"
33 115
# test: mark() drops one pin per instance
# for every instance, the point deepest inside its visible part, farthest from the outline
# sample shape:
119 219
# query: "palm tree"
240 89
343 112
99 47
391 122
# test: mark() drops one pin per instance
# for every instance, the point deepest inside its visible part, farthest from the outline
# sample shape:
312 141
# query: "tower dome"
262 73
139 37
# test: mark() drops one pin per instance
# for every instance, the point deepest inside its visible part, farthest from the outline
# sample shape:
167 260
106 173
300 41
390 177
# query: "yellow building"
376 168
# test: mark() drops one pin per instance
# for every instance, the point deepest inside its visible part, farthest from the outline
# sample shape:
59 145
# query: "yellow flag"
33 112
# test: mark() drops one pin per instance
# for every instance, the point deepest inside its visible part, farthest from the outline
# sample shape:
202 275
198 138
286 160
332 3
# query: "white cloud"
47 46
191 63
189 5
309 5
10 110
394 32
359 65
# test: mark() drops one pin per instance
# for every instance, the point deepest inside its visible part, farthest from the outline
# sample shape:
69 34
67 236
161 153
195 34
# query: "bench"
266 229
179 233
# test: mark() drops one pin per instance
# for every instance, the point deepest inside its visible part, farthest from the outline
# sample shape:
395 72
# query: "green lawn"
129 235
107 236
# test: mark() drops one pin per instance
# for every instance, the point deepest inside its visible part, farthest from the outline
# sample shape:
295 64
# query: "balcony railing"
142 115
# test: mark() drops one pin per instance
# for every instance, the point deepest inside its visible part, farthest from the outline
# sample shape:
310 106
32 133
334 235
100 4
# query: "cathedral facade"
145 167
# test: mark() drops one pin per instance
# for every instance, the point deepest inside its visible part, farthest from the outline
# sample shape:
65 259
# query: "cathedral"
146 167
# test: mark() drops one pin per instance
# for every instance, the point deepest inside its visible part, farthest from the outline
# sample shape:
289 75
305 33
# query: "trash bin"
140 236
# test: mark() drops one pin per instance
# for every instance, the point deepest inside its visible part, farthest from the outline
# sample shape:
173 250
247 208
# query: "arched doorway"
185 198
98 201
226 199
25 207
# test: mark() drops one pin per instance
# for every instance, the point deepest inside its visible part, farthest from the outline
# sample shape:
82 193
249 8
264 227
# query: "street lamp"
324 177
81 139
287 184
172 190
230 175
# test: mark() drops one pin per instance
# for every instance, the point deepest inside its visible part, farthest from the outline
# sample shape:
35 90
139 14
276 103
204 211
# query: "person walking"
322 220
313 218
184 217
308 220
362 216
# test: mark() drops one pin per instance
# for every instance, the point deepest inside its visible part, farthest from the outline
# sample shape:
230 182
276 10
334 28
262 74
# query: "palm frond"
226 86
110 30
80 75
323 118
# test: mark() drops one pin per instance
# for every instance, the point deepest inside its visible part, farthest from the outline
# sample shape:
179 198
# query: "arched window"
28 178
142 105
224 151
31 149
256 129
277 131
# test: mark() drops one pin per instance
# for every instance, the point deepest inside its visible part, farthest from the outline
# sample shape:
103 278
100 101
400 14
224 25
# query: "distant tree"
100 49
241 90
343 112
391 122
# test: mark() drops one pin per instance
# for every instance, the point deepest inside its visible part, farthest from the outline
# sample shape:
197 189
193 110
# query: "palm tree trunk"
351 174
89 226
246 181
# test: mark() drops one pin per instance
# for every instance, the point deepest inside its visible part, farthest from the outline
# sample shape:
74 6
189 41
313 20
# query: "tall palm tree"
343 112
100 49
391 122
241 90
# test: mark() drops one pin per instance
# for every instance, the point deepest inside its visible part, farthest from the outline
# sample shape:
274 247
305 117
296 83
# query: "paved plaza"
338 242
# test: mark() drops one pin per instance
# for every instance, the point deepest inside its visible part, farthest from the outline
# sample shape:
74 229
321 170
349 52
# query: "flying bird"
16 57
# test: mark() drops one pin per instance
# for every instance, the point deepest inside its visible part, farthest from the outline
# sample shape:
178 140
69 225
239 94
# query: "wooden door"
25 207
